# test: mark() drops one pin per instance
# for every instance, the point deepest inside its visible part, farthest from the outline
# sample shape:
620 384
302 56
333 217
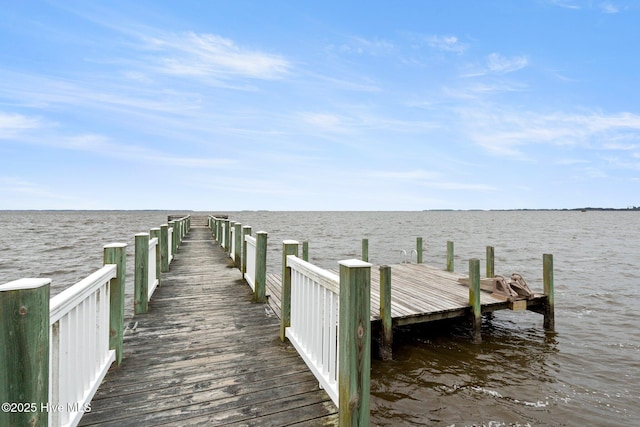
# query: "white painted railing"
232 247
250 275
223 240
79 355
315 304
153 279
170 244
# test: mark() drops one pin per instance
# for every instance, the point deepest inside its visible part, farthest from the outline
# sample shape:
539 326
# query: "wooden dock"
419 293
205 354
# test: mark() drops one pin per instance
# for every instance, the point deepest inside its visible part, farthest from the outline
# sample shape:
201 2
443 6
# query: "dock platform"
204 354
420 293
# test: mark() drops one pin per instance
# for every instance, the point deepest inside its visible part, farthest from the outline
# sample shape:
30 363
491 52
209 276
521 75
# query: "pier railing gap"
54 352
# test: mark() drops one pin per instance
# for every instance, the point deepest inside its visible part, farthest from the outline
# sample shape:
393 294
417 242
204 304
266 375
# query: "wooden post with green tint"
116 253
419 250
227 235
237 247
365 250
490 269
289 247
547 278
141 274
154 233
246 231
449 256
474 299
354 367
260 289
386 337
24 352
305 251
164 248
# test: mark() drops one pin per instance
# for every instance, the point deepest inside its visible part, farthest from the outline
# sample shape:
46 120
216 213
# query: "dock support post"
246 231
116 253
227 235
547 274
365 250
238 245
474 299
141 274
260 290
419 250
449 255
386 332
305 251
154 233
24 351
164 247
354 357
289 247
490 268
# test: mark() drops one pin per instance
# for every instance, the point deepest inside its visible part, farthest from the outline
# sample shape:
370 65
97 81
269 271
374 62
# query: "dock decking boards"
419 293
204 354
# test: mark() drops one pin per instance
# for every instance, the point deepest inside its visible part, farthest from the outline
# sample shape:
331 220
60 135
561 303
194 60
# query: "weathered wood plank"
205 354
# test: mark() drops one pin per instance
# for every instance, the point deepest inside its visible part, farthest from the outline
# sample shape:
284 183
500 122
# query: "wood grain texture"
205 354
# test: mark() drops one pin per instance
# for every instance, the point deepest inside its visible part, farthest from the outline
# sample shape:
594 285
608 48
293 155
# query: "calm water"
587 373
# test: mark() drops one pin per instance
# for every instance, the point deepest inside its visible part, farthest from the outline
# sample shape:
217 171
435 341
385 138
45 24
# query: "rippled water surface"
587 373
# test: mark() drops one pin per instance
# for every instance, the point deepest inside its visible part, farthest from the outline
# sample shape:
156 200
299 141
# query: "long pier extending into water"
203 348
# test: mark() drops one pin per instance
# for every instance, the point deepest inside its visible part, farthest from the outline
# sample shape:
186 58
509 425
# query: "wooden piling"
227 235
354 343
289 247
260 288
449 255
365 250
305 251
116 253
474 299
141 274
164 247
24 352
547 277
237 235
419 250
386 331
490 268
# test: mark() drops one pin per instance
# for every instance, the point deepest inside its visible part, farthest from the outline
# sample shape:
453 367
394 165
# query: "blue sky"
332 105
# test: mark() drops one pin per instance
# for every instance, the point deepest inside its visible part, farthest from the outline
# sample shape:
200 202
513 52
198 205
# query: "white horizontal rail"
315 304
250 275
153 280
79 355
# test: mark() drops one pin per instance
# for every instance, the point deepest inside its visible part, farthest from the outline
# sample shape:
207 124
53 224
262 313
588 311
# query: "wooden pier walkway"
204 354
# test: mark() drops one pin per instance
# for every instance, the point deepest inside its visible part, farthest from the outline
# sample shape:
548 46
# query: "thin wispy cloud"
209 55
446 43
608 7
497 63
12 124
